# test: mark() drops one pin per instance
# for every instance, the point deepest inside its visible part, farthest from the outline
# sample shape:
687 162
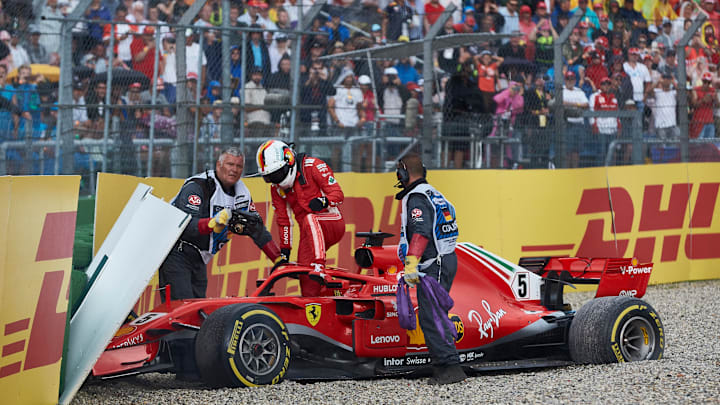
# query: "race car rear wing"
614 276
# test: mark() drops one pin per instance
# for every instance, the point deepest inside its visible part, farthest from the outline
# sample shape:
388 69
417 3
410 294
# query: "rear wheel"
616 330
242 345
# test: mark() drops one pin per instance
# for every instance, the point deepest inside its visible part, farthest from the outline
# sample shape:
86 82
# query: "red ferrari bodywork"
502 311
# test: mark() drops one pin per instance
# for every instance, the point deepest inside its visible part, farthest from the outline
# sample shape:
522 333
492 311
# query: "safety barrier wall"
666 214
37 226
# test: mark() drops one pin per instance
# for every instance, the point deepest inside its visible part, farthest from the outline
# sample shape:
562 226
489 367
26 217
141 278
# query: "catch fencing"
152 98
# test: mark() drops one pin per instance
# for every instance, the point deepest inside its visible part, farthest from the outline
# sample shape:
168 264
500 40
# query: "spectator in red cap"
604 30
639 76
191 84
584 28
541 12
143 53
704 99
602 47
596 70
575 102
252 15
526 23
605 129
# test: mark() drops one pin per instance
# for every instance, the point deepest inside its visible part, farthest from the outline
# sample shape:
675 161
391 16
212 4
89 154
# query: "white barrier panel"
134 249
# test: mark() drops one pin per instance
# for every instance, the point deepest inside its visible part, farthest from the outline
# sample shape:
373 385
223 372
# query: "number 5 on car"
526 285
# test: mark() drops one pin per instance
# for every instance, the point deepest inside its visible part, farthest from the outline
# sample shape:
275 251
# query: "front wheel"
616 330
242 345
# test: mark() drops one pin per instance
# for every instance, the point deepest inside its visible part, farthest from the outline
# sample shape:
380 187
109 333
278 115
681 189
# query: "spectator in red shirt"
704 100
488 71
433 9
465 27
596 71
605 129
143 53
525 22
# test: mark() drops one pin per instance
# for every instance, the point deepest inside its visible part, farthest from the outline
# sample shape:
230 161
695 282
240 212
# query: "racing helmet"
276 162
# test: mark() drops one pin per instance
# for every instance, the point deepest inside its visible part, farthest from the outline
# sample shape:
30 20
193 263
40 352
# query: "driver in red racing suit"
308 187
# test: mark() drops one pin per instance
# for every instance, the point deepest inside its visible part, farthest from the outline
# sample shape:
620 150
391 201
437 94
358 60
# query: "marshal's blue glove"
220 220
411 275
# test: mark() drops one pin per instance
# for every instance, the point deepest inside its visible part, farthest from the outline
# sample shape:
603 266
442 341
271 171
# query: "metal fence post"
374 124
107 113
637 139
304 23
115 129
428 73
559 113
153 100
181 164
28 147
198 91
226 127
682 88
64 146
243 70
65 118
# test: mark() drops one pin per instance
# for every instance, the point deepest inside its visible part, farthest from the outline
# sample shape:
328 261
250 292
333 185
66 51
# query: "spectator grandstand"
621 56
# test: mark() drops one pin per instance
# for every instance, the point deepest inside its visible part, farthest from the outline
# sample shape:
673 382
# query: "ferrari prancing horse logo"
312 313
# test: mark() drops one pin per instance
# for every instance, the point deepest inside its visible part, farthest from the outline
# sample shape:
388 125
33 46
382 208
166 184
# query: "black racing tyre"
242 345
616 330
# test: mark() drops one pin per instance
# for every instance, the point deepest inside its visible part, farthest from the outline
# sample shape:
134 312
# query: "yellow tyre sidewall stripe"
231 359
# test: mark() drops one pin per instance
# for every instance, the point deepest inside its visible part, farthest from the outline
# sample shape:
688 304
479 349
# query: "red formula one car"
504 313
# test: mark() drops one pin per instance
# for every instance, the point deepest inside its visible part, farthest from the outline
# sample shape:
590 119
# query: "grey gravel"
688 373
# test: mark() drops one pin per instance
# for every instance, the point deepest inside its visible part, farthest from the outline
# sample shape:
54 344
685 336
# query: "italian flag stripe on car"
487 259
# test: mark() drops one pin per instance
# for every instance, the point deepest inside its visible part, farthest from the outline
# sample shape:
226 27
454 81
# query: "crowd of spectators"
621 56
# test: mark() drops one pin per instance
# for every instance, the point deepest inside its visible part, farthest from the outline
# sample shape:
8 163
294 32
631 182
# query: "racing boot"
448 374
318 274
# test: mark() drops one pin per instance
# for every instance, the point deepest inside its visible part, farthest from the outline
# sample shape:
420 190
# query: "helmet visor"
277 176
